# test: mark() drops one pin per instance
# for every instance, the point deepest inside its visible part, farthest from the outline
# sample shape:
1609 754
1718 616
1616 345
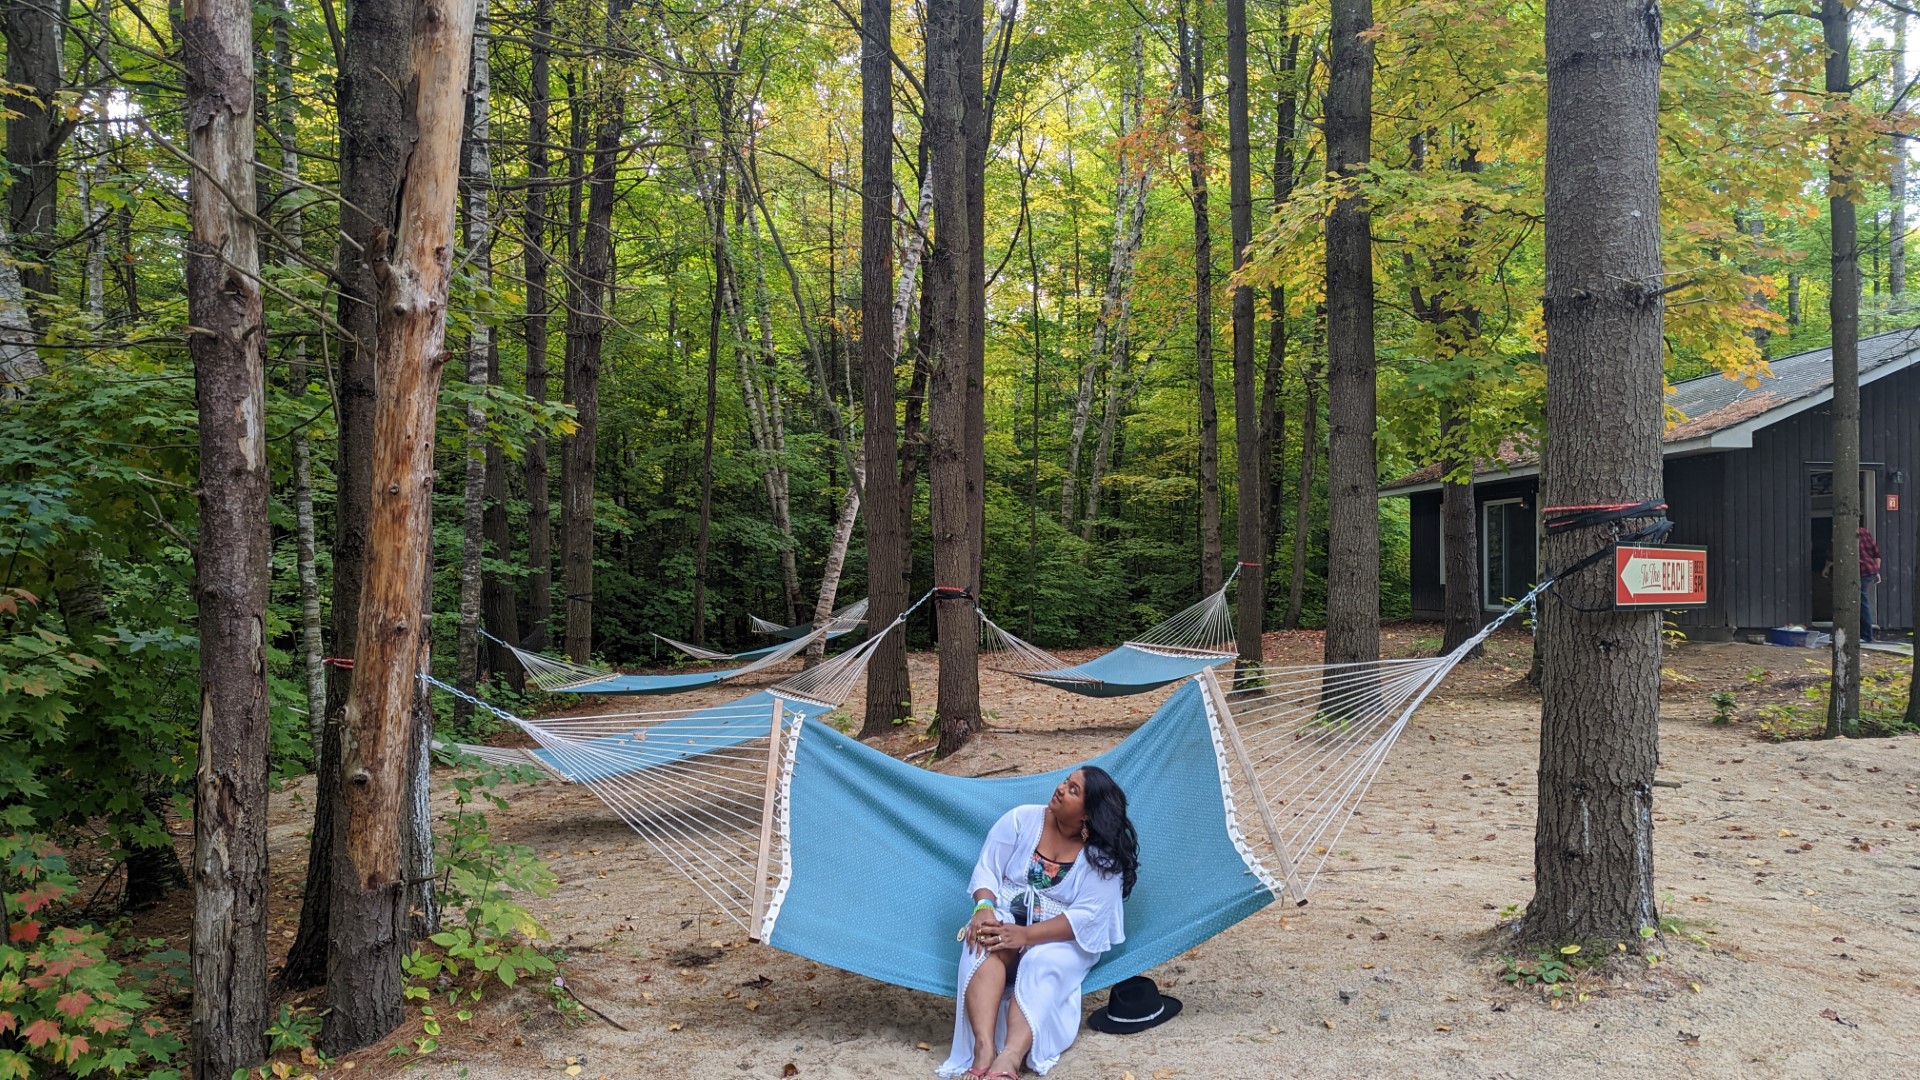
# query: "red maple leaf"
7 1022
41 1032
24 931
75 1003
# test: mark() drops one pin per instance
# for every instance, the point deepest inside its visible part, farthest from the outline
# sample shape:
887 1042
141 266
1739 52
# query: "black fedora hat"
1134 1005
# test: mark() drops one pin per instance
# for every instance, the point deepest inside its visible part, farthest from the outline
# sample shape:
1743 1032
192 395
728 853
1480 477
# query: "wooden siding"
1753 511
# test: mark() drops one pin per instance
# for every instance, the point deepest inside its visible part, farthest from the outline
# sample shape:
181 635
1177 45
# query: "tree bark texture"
1273 417
588 327
889 558
20 361
374 143
412 268
536 260
1843 313
35 130
1599 730
951 297
1353 514
1461 542
1897 183
1193 80
477 165
706 454
1250 601
232 571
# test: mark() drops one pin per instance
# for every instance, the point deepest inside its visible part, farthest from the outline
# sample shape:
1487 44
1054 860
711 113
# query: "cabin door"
1820 548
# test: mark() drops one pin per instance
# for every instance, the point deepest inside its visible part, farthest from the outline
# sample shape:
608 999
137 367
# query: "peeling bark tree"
888 557
373 144
1599 729
1251 599
1193 89
1353 514
412 268
230 562
1843 312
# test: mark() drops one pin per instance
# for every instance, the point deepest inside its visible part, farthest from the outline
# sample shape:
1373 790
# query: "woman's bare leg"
1019 1041
984 990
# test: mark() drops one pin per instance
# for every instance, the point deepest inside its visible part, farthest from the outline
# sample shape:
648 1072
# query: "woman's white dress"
1047 983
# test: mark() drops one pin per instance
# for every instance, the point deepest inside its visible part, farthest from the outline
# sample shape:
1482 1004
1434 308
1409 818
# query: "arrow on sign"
1657 577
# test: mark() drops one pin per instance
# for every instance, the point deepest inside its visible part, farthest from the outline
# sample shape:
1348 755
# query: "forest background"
651 414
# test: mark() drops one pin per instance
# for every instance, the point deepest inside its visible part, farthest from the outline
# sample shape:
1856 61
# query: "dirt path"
1794 867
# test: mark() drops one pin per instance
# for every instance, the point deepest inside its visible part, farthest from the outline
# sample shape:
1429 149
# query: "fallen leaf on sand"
1690 1038
571 1060
1328 1024
1837 1018
673 1027
1786 832
573 1070
1272 1030
921 1046
789 1069
1443 1027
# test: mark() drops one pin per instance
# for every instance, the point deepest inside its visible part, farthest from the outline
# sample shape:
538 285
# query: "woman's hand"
1007 936
984 921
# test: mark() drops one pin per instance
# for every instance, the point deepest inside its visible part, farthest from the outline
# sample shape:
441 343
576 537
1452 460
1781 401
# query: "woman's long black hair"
1111 843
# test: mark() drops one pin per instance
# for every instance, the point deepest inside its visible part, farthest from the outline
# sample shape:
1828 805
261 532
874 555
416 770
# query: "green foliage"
65 1006
1724 707
1883 709
483 882
1556 973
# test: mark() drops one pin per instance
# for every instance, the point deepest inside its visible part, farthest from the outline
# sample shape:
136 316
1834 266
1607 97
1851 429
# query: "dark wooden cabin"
1749 476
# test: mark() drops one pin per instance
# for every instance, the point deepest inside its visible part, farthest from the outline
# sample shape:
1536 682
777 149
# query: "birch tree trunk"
374 139
775 430
1134 179
536 259
1193 80
20 361
1599 733
1251 595
478 169
412 268
1353 514
231 561
1843 313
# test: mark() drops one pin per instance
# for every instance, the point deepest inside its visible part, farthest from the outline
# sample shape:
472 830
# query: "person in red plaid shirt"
1869 573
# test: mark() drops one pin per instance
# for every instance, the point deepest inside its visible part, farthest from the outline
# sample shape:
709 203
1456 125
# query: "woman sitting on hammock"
1047 902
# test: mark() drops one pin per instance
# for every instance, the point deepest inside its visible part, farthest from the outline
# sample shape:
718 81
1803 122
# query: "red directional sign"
1659 576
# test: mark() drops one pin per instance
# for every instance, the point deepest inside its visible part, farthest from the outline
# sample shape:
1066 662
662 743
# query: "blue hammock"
673 741
1129 669
881 851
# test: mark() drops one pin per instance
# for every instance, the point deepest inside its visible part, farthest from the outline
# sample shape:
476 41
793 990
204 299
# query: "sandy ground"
1793 871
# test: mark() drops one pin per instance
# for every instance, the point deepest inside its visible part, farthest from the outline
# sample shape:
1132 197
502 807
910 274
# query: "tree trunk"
1193 76
412 268
35 44
1462 554
20 361
1353 514
889 561
1251 597
1273 417
232 569
312 648
588 327
1303 502
536 260
952 29
1599 728
477 167
1897 184
706 453
836 559
373 144
1843 312
1133 180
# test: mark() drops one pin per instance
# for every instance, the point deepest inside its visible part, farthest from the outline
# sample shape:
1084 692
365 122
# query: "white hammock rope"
842 621
1301 746
696 791
555 675
1205 628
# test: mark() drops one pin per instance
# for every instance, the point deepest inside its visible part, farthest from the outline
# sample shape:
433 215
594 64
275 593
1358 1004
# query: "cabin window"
1508 546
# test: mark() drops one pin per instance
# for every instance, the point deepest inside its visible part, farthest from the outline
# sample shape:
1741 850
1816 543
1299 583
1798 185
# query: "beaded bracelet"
979 904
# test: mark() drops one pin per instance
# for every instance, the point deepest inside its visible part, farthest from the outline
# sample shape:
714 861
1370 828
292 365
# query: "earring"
1083 830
